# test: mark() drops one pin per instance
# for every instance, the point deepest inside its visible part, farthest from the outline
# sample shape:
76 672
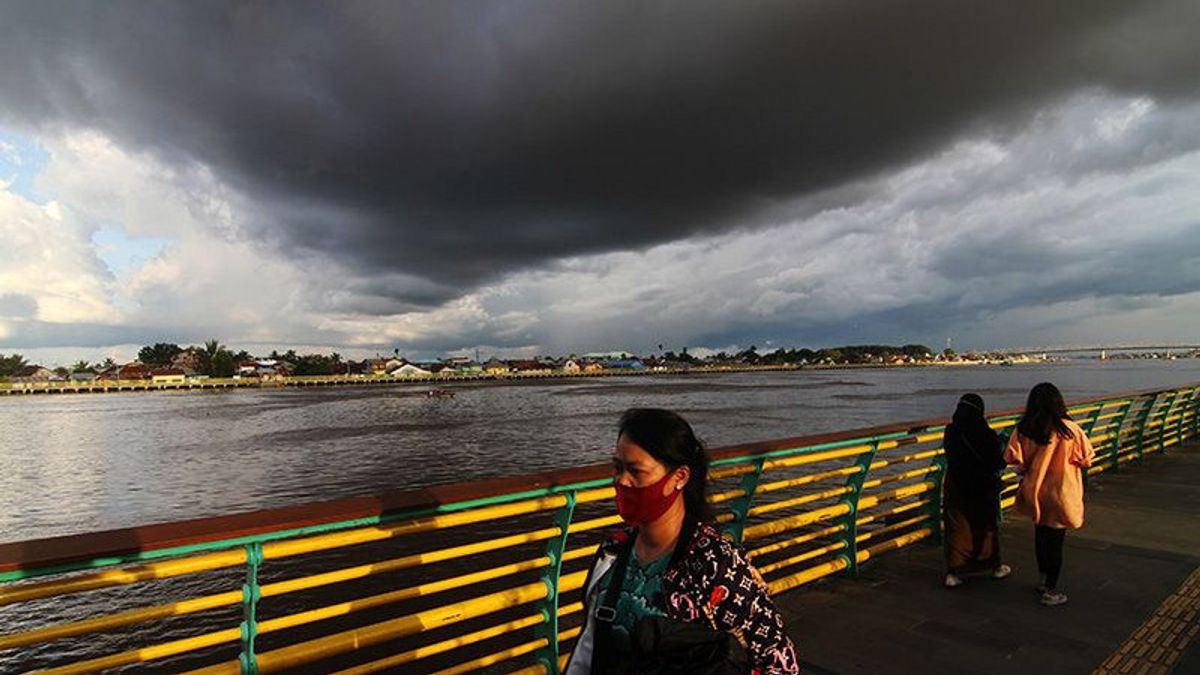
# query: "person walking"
670 594
971 494
1050 453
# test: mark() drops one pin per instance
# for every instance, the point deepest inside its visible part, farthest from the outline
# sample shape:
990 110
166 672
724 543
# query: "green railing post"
1119 429
548 628
935 500
850 520
1162 432
1004 436
1143 420
250 597
1195 413
741 506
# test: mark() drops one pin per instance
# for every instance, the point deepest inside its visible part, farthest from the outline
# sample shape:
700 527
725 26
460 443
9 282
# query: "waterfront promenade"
1132 575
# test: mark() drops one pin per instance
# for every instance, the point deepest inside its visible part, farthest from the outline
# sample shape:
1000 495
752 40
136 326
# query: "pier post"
548 628
251 593
850 520
1143 420
741 506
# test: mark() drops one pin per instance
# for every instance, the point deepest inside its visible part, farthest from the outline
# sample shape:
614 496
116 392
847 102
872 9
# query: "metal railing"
479 575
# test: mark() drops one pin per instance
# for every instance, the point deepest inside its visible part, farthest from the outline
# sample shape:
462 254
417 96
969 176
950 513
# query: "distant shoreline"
113 387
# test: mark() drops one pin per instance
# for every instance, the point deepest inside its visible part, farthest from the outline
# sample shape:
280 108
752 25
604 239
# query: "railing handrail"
123 542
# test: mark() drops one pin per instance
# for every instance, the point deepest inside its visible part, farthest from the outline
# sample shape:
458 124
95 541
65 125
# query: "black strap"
606 611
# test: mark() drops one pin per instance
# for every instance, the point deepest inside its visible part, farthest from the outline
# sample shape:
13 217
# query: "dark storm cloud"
440 145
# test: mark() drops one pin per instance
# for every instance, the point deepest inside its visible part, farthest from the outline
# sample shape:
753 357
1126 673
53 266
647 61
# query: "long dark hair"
1045 414
670 439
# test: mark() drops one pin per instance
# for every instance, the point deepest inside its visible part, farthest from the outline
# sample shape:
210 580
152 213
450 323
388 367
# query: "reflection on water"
75 463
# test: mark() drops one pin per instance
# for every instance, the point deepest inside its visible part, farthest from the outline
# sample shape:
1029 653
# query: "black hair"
969 409
1045 412
670 439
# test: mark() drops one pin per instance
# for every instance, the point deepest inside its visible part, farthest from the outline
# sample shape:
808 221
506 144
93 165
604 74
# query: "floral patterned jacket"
710 582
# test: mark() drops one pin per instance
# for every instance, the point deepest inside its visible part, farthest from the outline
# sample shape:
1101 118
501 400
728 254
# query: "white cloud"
47 259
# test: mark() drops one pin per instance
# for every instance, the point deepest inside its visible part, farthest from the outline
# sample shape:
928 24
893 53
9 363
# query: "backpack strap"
606 610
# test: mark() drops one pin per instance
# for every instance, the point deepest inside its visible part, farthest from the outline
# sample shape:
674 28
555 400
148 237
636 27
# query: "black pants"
1048 544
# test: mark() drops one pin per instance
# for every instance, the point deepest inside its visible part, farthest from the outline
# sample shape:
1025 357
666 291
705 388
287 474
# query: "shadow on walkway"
1140 542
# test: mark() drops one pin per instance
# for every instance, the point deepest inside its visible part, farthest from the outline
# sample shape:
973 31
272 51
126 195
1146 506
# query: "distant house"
495 366
168 376
530 367
593 367
409 370
625 364
571 366
384 366
134 370
33 373
83 376
462 366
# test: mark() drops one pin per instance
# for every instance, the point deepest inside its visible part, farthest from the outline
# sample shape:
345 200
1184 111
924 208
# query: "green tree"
61 371
81 367
159 354
207 354
917 351
10 366
223 364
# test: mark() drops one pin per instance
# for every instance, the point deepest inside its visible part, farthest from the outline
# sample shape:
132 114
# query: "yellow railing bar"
898 542
495 657
894 527
870 501
794 541
862 520
824 456
792 522
833 511
916 456
805 576
428 650
837 546
337 643
118 577
807 555
291 547
898 477
454 643
731 471
809 478
111 621
906 506
797 501
148 653
726 496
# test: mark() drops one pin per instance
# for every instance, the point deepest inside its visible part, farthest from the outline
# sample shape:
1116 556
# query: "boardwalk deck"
1131 574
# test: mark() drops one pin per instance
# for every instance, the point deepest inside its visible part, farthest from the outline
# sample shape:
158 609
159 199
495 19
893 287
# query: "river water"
76 463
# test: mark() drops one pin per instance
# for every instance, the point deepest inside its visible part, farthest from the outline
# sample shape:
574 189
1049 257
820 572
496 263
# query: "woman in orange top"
1050 453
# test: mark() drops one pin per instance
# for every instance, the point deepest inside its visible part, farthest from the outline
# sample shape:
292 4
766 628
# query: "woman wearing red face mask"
685 598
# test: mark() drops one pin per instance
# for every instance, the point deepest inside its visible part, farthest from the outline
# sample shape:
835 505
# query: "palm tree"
81 367
209 354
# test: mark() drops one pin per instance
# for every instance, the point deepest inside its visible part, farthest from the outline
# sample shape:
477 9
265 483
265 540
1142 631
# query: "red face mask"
641 505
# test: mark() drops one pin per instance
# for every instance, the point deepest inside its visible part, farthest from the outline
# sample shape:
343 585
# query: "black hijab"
973 453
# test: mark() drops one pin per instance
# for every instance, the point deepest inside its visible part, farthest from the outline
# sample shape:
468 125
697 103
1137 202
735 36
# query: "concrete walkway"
1132 575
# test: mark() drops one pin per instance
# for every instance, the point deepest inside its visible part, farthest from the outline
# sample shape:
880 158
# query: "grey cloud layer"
432 147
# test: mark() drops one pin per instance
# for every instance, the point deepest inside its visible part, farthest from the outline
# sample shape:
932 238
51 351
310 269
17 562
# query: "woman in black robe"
971 494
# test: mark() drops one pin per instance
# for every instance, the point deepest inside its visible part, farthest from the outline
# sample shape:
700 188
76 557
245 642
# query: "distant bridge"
1101 348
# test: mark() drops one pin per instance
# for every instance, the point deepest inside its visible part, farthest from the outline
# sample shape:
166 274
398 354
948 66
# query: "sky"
554 177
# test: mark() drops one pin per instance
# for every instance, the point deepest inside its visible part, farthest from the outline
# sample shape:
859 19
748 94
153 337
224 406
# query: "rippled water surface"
76 463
